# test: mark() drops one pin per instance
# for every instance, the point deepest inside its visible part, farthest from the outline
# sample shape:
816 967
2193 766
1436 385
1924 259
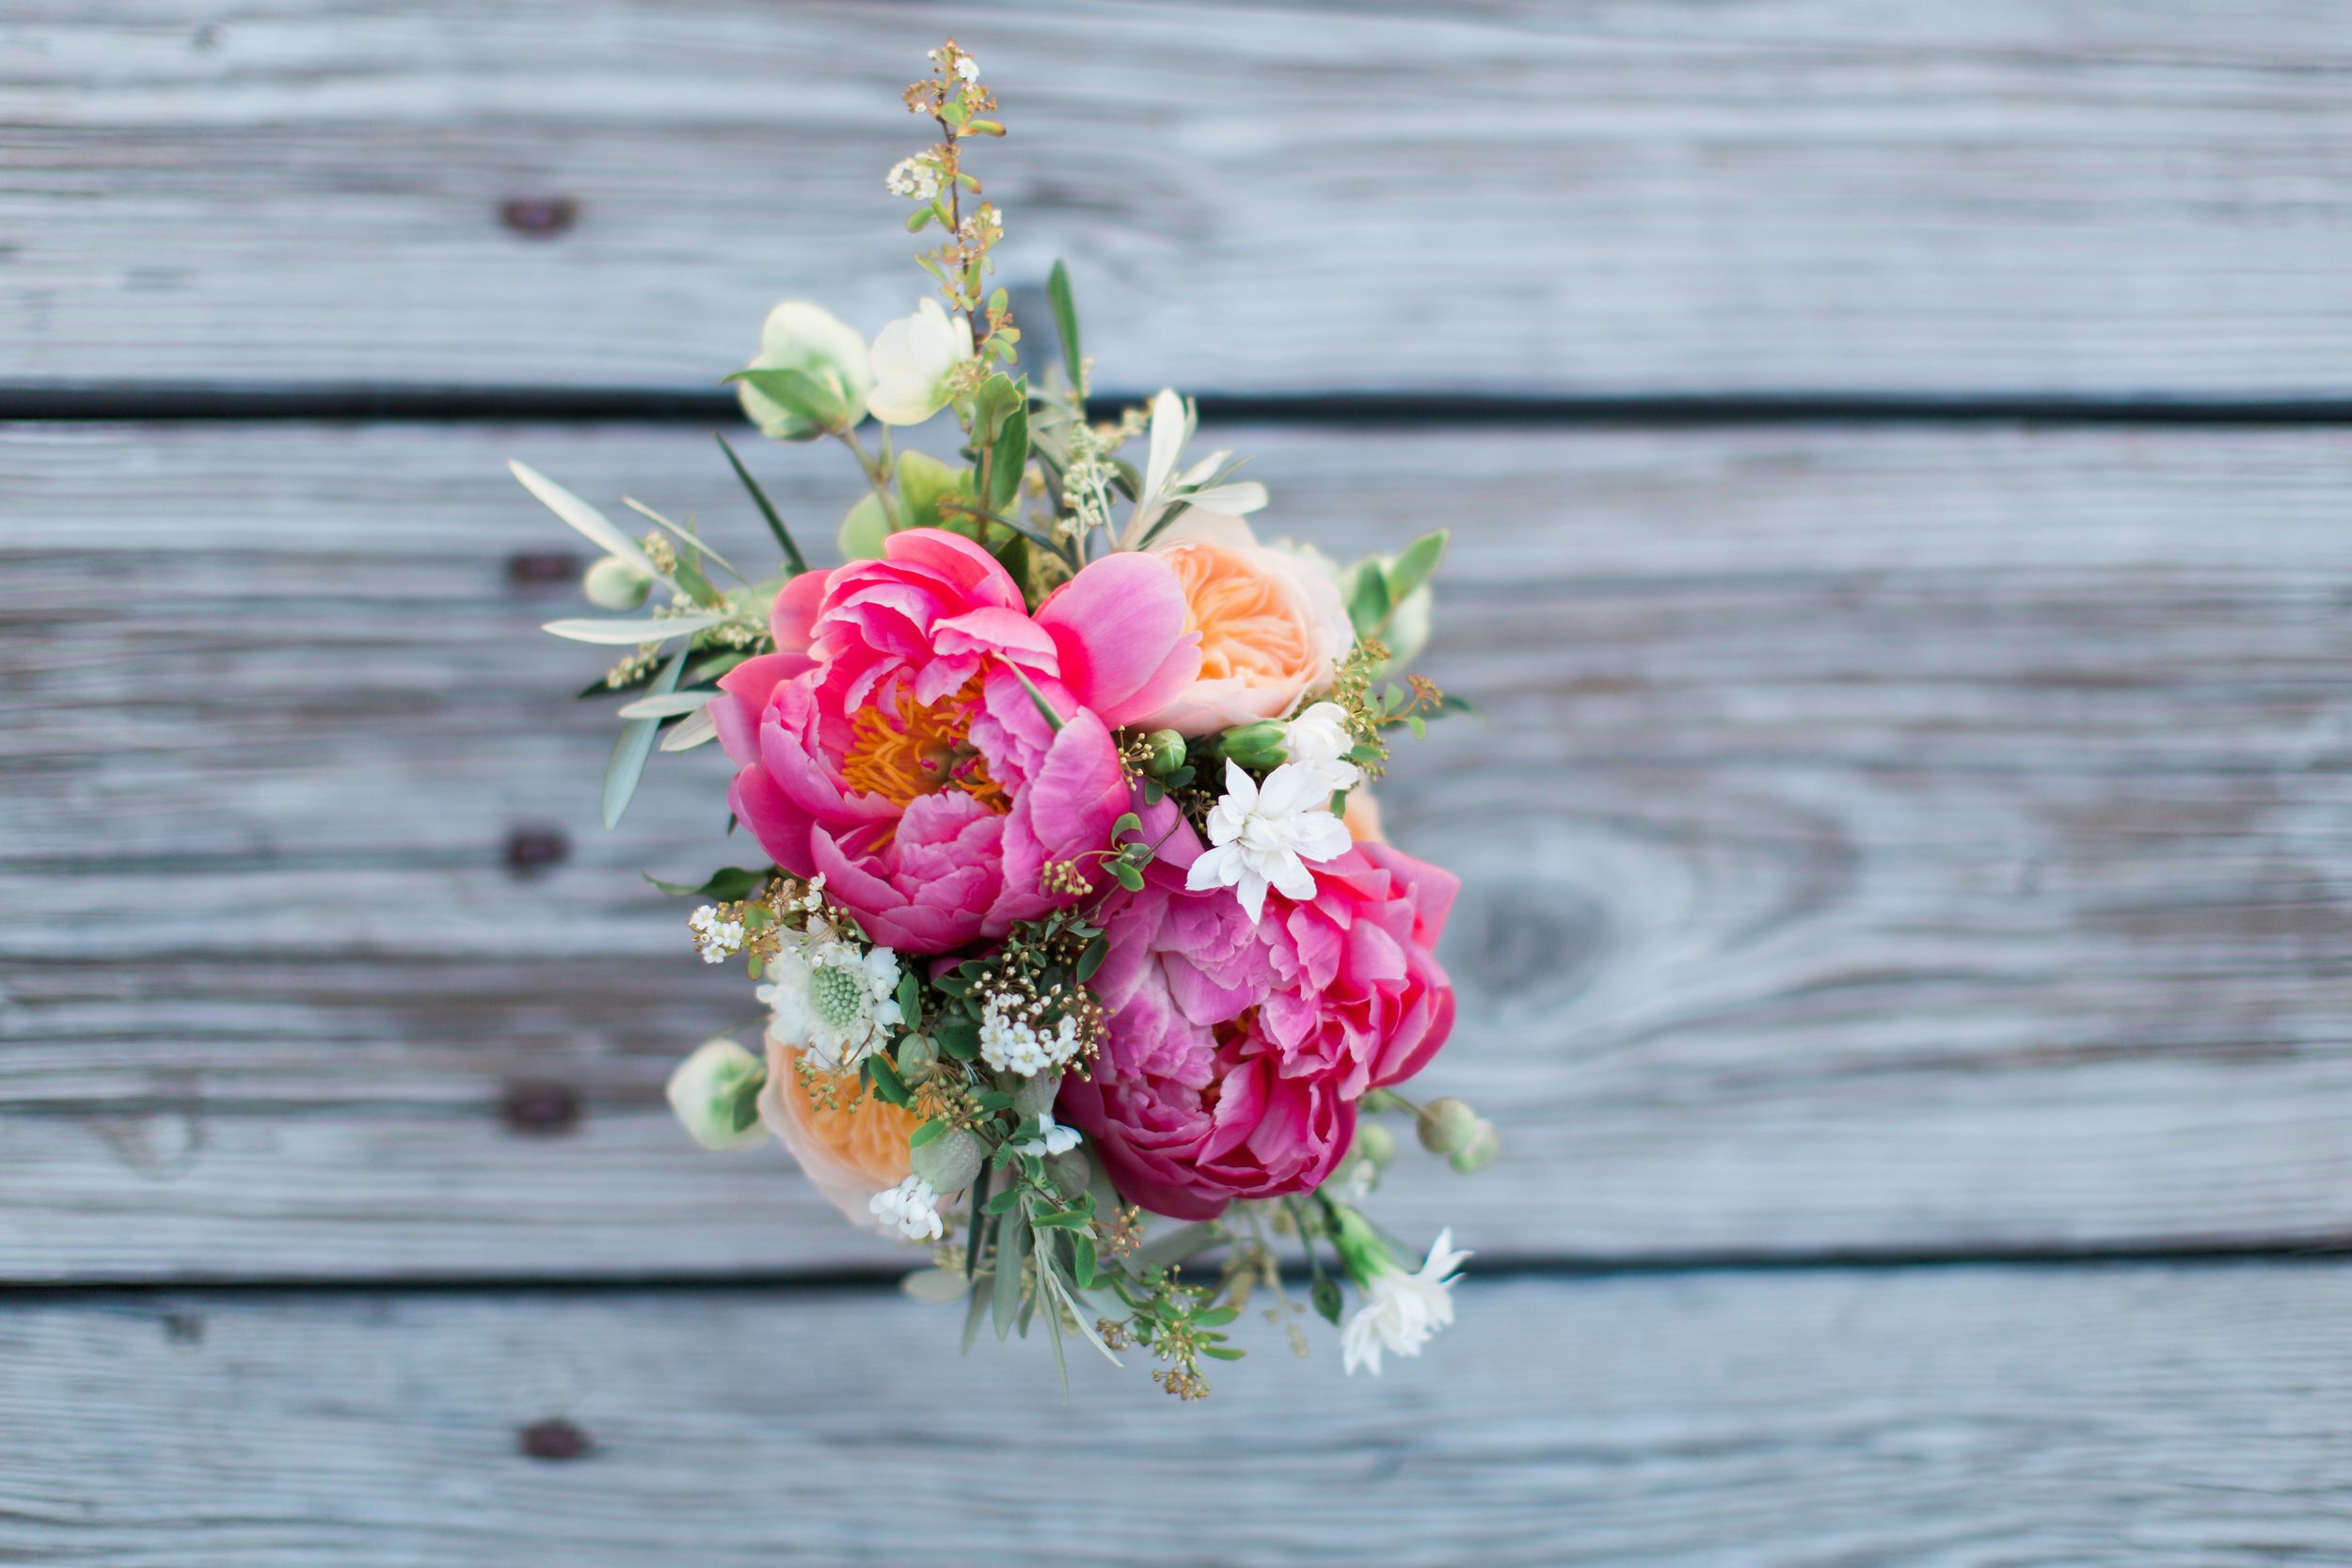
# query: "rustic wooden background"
1899 465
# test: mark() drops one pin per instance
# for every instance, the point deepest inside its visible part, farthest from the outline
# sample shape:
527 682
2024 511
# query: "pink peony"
1236 1054
890 745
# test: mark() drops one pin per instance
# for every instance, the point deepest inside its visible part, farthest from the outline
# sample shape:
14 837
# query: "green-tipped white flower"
913 363
1401 1311
711 1090
810 375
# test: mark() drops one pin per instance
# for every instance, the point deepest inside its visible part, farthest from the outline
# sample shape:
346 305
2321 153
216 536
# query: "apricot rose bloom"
850 1153
1271 623
889 744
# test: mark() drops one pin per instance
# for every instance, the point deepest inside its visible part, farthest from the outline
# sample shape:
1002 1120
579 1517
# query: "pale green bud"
612 583
713 1091
950 1162
1484 1146
810 377
1375 1143
1254 746
1446 1126
1167 752
916 1056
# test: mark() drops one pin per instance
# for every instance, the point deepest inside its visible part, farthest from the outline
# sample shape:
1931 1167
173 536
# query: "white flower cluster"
715 938
911 1209
914 176
835 1000
1319 740
1010 1044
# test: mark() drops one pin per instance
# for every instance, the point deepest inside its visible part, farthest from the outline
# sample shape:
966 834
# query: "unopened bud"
1446 1126
1480 1153
1255 746
1167 752
916 1056
1375 1143
713 1091
612 583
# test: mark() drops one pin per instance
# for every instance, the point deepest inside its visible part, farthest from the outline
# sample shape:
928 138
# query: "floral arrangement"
1077 911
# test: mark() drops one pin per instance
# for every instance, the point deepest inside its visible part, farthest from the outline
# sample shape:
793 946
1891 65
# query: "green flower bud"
612 583
1254 746
1446 1126
916 1056
712 1089
810 375
1484 1146
1375 1143
1362 1253
1167 752
950 1162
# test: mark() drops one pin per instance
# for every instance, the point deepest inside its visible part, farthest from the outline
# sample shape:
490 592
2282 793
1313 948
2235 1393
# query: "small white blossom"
1319 740
1053 1138
1261 836
1401 1311
913 361
914 176
911 1209
834 999
1010 1044
967 68
717 940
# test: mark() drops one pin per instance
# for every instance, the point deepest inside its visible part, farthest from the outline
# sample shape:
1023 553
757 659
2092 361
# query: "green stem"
877 472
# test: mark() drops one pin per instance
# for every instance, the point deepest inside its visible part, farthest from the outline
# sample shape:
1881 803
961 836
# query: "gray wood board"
1803 197
2153 1415
1880 840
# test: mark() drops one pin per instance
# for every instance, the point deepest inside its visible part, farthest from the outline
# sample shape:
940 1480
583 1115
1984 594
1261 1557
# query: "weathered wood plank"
2108 198
1883 839
1964 1417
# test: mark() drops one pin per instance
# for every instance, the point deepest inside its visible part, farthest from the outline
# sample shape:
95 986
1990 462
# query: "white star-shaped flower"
1262 836
1401 1311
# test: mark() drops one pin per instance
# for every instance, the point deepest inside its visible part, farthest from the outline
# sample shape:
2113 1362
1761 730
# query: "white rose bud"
821 380
708 1086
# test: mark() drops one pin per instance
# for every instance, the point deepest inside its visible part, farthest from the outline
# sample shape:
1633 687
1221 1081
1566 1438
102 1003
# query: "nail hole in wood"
532 849
540 1110
536 571
539 217
554 1439
184 1328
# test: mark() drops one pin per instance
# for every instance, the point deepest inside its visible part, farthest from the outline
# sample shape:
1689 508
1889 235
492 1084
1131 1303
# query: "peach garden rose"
1271 623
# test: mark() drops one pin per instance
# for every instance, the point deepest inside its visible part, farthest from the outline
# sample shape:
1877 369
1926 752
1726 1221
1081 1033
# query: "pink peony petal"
1119 625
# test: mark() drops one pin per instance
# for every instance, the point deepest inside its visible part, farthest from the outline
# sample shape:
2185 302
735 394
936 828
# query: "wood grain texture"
1884 840
1609 198
2157 1417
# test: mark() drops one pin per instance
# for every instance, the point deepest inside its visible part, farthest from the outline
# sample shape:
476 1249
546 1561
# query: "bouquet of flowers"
1078 910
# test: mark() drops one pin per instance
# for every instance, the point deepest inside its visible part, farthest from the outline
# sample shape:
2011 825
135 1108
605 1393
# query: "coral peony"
1271 623
1236 1054
890 745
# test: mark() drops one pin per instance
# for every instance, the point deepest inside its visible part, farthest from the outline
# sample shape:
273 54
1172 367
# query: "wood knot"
539 217
554 1439
184 1328
536 571
532 850
540 1110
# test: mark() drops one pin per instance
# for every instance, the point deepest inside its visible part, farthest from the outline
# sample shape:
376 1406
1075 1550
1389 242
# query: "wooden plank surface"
2153 1416
1885 840
1605 198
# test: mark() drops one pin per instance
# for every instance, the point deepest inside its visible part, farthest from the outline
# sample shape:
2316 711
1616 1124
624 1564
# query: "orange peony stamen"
920 749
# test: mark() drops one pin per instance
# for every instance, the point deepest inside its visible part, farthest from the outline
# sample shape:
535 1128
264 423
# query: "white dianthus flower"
1010 1044
714 938
1052 1138
1401 1311
911 1209
1261 836
832 998
1319 740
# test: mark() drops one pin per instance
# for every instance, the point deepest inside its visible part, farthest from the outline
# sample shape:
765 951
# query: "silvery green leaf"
1174 1247
1238 499
630 750
667 707
1085 1310
1414 563
1199 473
692 733
652 629
595 524
937 1286
1013 1251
